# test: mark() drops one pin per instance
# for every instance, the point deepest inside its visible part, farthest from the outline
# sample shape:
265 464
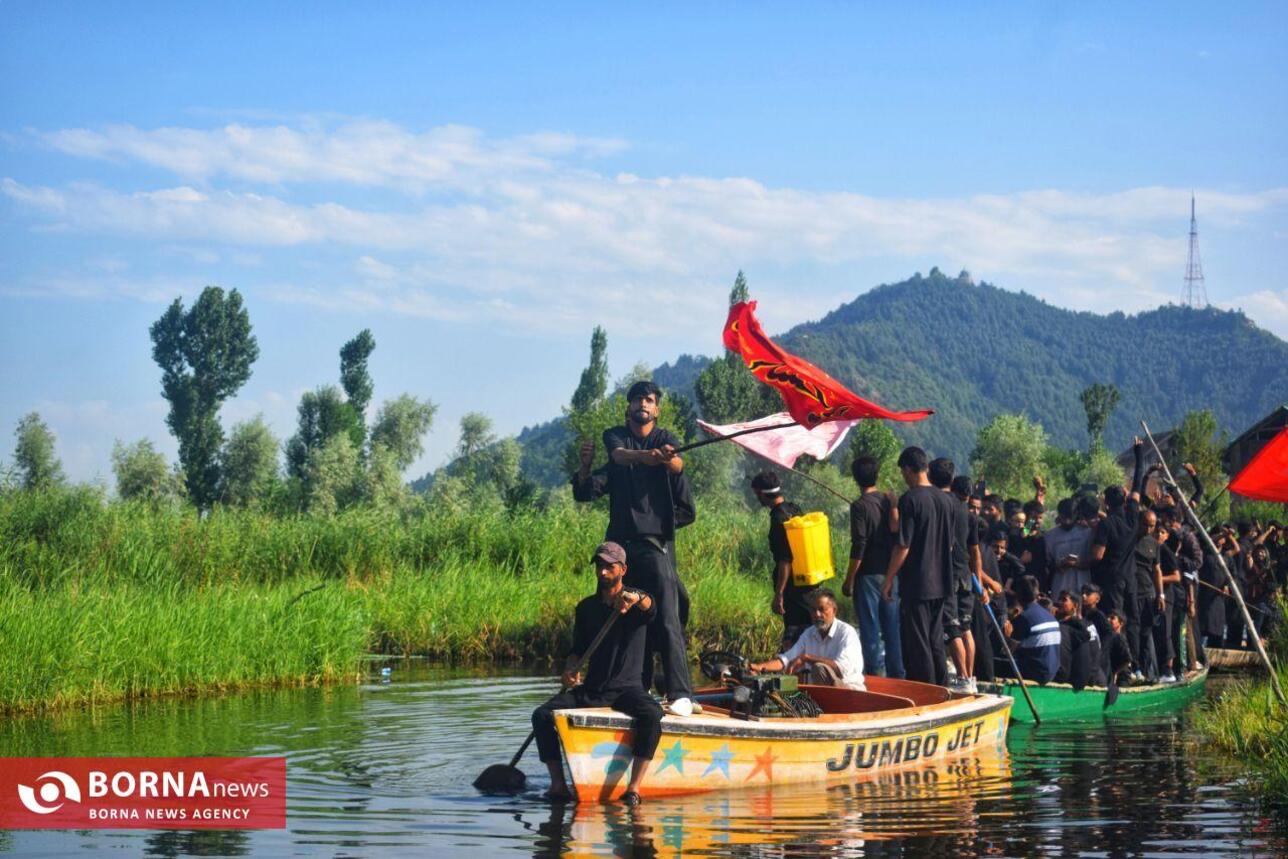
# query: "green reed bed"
102 601
1249 721
74 644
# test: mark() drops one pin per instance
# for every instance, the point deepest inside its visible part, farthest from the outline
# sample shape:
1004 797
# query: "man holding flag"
642 461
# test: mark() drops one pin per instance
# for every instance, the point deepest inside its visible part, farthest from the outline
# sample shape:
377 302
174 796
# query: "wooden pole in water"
1234 587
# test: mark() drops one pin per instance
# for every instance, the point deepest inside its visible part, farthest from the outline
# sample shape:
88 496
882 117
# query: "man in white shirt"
827 653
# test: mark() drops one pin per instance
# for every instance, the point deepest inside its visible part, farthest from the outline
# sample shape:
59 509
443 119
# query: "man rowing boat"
613 676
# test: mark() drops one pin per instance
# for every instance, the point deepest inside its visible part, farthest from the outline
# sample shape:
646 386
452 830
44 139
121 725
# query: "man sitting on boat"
1035 635
828 653
613 676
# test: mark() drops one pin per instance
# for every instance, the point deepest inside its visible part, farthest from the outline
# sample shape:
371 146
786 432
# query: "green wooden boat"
1060 702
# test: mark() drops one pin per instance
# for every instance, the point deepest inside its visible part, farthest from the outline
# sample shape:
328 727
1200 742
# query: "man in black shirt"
639 479
959 606
1148 600
870 540
613 676
922 559
1113 549
789 598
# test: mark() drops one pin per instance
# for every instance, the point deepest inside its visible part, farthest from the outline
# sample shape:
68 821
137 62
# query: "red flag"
1266 476
811 396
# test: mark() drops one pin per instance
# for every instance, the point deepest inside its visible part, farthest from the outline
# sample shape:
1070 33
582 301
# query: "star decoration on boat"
764 764
673 757
719 761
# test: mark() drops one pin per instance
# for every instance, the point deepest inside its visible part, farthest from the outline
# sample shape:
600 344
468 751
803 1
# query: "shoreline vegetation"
1249 722
103 601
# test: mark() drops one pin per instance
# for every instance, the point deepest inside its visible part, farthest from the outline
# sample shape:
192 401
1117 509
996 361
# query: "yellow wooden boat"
895 724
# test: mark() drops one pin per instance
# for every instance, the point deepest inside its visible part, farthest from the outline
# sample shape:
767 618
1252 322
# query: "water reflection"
385 769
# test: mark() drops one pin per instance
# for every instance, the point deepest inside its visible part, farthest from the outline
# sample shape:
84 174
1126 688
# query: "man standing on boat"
871 518
789 598
959 606
613 676
922 559
828 653
1113 549
642 517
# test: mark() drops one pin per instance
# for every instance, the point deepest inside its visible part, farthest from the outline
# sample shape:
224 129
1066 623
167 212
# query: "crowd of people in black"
945 571
1120 586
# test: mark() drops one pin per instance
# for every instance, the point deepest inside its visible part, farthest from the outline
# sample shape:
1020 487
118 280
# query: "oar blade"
1111 693
501 779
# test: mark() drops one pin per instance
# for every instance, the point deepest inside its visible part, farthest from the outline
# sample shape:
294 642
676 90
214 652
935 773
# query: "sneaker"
1137 677
679 707
631 797
1167 678
973 685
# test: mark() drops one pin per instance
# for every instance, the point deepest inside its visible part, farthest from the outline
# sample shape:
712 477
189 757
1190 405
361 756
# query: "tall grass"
100 601
1248 720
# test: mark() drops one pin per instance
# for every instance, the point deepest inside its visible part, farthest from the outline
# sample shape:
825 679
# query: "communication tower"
1195 289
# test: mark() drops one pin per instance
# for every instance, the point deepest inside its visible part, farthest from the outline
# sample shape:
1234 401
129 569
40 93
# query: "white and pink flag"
786 443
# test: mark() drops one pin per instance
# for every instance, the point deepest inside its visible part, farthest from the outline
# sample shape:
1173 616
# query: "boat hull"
1221 660
713 751
1060 702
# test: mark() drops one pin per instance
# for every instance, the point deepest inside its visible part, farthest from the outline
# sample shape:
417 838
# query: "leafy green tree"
333 476
205 355
249 463
382 481
1199 440
726 390
1100 469
1008 454
37 465
354 377
874 438
594 379
143 474
323 414
1098 401
400 427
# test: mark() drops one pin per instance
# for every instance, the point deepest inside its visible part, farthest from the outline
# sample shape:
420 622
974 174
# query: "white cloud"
1267 307
362 152
521 229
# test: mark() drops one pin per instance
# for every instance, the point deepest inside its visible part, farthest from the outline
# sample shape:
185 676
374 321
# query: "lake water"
385 769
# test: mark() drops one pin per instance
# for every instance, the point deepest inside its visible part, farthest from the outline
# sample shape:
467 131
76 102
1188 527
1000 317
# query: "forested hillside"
971 351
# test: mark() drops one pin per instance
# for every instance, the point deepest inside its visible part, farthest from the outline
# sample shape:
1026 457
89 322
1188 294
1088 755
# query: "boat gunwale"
885 722
1012 683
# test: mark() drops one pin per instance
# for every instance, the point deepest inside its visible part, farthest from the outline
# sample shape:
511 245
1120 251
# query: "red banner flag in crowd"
1266 476
812 397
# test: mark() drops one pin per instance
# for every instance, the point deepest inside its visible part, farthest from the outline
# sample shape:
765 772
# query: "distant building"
1166 442
1246 446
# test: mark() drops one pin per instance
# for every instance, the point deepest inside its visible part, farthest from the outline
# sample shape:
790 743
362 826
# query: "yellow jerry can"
810 539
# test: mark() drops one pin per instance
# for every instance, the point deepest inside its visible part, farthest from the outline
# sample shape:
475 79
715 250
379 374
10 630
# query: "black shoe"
631 798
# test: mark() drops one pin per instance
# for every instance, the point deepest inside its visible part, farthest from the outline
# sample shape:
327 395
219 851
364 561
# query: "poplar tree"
205 355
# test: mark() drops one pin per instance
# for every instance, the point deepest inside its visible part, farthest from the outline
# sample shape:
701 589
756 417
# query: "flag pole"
813 480
1234 586
717 438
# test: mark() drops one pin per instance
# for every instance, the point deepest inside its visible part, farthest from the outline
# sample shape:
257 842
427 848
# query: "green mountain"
971 351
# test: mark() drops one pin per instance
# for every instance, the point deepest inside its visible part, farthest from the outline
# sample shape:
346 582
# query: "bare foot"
558 794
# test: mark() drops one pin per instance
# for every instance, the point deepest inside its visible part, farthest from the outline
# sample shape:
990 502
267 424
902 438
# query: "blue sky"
481 184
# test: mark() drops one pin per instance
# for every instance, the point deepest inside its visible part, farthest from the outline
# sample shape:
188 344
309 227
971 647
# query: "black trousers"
650 568
1234 625
1140 634
921 631
1161 627
646 729
985 638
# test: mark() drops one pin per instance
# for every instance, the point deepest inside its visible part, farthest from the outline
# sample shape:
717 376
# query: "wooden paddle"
508 778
